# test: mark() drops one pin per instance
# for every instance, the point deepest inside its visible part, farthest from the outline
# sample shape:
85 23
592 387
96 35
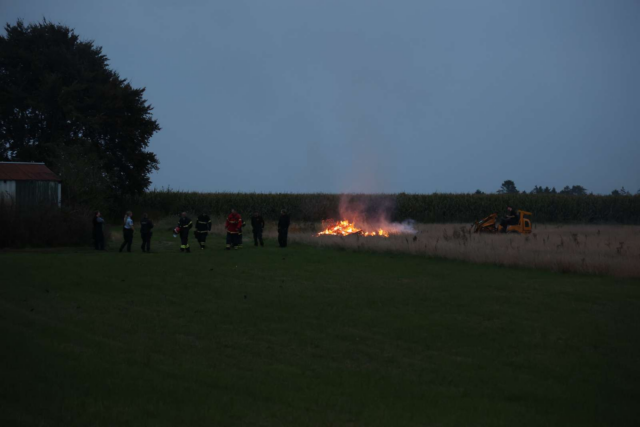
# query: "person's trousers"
98 240
257 237
505 223
146 242
201 237
127 233
282 238
184 241
233 240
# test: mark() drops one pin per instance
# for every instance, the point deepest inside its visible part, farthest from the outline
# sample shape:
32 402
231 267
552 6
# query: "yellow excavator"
491 224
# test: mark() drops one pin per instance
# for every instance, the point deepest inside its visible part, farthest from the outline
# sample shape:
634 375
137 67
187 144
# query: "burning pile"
346 228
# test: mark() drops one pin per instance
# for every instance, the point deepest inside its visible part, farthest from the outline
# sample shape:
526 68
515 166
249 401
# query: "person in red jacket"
234 228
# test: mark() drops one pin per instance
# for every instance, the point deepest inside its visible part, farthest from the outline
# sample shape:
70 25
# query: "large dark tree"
61 103
508 187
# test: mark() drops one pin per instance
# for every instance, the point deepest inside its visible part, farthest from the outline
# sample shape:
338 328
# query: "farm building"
28 184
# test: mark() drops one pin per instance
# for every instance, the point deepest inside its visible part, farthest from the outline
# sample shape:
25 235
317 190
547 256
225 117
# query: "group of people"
146 225
233 225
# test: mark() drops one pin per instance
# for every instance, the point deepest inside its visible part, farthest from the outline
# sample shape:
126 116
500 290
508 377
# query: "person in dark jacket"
511 218
146 225
98 232
185 225
127 231
283 228
257 226
203 227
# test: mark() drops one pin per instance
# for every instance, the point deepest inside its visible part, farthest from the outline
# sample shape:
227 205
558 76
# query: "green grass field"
310 336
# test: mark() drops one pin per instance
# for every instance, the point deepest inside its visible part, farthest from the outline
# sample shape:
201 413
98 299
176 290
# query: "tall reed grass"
590 249
606 250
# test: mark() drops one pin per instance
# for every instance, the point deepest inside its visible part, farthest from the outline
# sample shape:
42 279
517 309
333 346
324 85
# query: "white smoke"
373 213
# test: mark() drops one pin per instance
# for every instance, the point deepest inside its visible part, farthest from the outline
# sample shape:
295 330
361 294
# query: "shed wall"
30 193
7 192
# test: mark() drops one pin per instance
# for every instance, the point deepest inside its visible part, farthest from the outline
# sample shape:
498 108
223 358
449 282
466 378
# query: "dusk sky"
376 96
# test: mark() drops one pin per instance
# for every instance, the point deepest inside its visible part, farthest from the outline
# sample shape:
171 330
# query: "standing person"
203 227
98 233
127 231
257 225
146 225
242 224
509 219
283 228
185 225
233 225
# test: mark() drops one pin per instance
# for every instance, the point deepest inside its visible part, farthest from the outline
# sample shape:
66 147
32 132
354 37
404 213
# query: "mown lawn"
309 336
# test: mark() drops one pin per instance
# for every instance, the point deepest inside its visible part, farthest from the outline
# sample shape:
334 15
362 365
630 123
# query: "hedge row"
432 208
45 226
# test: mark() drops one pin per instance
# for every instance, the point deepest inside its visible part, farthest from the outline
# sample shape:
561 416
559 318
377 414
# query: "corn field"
432 208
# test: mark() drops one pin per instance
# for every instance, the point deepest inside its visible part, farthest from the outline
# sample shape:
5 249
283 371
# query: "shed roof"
16 171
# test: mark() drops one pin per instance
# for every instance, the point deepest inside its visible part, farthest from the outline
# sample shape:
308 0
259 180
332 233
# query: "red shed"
28 184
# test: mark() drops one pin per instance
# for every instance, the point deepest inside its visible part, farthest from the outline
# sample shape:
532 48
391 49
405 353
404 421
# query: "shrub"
45 226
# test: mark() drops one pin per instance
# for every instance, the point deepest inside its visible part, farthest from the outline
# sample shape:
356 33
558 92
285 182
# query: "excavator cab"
523 226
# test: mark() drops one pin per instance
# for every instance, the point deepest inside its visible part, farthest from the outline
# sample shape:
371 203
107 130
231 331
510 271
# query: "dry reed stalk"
589 249
610 250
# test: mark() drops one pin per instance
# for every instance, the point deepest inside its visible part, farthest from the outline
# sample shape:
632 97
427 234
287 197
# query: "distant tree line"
509 187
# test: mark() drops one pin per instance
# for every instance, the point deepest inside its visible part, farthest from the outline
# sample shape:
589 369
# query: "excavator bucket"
486 225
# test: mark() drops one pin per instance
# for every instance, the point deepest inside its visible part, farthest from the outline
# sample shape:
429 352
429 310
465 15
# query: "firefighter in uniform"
185 225
203 227
233 227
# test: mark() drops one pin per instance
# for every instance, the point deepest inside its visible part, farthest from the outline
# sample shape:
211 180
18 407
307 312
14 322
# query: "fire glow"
346 228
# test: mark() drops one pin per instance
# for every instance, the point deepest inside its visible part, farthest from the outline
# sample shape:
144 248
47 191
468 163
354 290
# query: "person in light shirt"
127 231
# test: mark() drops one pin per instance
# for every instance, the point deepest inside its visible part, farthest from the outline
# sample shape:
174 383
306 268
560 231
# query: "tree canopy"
508 187
621 192
575 190
60 103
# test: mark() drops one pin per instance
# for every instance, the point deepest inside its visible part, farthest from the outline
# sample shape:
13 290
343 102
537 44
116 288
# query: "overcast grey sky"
376 96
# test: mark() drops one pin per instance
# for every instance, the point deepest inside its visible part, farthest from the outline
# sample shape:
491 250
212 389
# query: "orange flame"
346 228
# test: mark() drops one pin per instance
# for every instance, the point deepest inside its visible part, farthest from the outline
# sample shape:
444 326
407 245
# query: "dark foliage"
61 104
621 192
508 187
546 190
575 190
45 226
